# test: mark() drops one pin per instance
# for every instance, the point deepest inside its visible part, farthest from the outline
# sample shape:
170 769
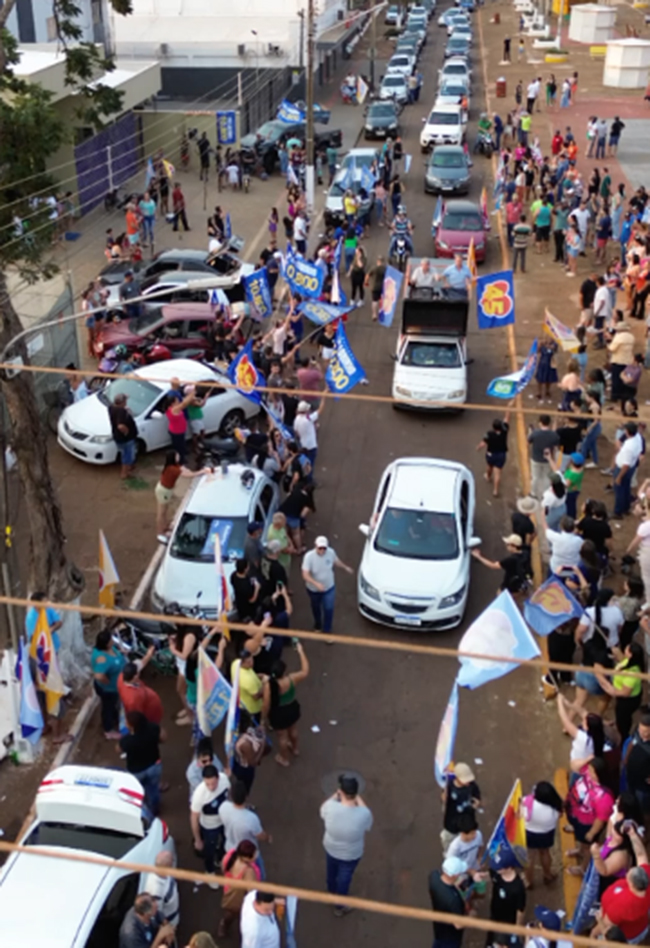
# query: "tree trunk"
48 566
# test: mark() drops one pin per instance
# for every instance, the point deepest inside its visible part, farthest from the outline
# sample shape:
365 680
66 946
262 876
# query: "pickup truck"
268 137
431 355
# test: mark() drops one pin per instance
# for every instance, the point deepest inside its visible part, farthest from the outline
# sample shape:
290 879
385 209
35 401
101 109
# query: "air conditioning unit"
163 49
273 50
241 49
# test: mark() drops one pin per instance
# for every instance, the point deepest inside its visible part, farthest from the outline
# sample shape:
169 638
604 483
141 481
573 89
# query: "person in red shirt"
178 203
557 143
138 697
626 903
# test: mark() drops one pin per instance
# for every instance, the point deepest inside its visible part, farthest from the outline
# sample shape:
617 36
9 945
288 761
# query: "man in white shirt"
258 924
531 95
565 545
164 889
602 309
305 428
423 276
625 464
300 233
318 573
205 819
582 215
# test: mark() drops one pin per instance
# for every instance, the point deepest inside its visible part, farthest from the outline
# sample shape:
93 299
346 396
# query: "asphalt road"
378 712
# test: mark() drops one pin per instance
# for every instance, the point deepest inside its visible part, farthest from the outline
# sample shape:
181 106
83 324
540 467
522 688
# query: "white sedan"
85 430
414 571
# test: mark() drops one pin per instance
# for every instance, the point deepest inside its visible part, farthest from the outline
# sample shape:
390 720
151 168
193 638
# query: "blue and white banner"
367 179
550 606
495 300
408 161
227 227
289 113
499 631
437 214
347 175
507 386
322 313
343 371
304 278
258 292
245 375
446 738
290 921
287 433
227 127
213 694
584 914
390 292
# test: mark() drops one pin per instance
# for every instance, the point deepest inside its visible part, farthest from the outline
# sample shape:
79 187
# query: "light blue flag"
367 179
390 291
227 228
584 914
437 214
446 738
499 631
150 174
287 434
408 160
31 716
346 176
343 371
258 292
507 386
322 313
550 606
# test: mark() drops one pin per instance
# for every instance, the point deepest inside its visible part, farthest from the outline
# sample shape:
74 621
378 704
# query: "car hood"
447 174
431 383
380 122
404 577
182 580
461 238
88 416
116 333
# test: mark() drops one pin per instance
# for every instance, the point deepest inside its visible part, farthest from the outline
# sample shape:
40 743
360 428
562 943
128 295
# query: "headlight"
101 439
368 589
434 180
458 393
157 600
480 245
443 244
452 600
406 392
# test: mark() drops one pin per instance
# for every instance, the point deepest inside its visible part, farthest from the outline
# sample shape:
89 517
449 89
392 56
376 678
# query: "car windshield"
457 42
89 839
359 161
381 111
456 69
457 221
194 538
399 61
140 394
141 324
269 129
394 82
457 90
448 159
432 355
444 118
417 534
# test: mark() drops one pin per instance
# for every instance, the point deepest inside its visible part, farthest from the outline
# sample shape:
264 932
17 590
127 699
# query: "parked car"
454 92
444 126
447 171
449 14
457 20
80 810
84 427
416 36
394 87
418 27
381 120
183 286
222 506
408 45
457 47
461 222
462 31
392 15
415 566
455 68
401 64
181 326
270 135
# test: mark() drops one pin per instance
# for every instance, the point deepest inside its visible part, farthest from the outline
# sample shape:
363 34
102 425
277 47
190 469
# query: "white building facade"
31 21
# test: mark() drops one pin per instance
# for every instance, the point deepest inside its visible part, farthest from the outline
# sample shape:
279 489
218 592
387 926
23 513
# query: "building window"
50 23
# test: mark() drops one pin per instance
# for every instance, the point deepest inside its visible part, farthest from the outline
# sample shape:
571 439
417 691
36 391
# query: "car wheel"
140 448
233 419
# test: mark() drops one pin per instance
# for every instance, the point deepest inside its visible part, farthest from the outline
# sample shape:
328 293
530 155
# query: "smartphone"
294 641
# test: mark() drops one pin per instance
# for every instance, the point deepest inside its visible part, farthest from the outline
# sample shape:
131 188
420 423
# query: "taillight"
165 831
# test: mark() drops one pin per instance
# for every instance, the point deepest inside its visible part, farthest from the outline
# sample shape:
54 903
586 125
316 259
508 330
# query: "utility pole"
301 50
373 47
310 176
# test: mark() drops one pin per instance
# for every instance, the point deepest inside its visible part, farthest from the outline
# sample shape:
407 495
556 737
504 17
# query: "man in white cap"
305 428
446 897
513 566
318 573
460 794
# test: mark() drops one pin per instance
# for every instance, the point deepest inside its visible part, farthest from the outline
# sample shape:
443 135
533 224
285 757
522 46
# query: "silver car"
447 171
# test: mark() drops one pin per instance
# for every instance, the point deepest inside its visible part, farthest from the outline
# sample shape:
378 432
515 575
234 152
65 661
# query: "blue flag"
213 694
437 214
304 278
583 914
390 292
30 716
287 433
150 174
551 606
343 371
495 300
227 227
290 920
499 631
322 313
507 386
245 375
258 292
446 738
289 113
367 178
227 127
338 250
345 178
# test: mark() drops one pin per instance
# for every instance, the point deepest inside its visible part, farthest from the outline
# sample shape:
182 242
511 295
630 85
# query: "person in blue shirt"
401 227
458 275
53 618
626 230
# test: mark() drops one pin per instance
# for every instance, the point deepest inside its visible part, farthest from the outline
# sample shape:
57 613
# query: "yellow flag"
48 675
108 575
471 259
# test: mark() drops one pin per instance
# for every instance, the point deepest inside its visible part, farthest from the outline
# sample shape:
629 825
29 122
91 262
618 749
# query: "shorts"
376 296
601 242
613 140
497 459
589 682
580 829
163 494
293 523
540 840
134 239
127 453
543 233
197 425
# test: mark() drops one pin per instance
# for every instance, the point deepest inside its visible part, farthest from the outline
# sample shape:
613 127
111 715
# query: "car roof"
187 370
462 207
448 150
361 152
181 253
453 107
223 494
170 311
424 484
457 61
181 276
394 76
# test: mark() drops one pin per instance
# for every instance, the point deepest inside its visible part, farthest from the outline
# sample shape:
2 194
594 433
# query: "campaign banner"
289 113
245 375
258 292
322 313
495 300
367 179
507 386
304 278
565 337
227 127
446 738
343 371
390 292
550 606
506 848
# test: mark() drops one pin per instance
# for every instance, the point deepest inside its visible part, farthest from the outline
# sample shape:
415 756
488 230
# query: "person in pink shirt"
589 805
177 421
514 210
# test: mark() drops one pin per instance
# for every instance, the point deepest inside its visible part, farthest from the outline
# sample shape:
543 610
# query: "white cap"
321 542
303 407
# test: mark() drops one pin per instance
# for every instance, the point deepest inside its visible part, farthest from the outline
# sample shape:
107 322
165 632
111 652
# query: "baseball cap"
548 918
453 866
303 407
513 540
254 526
578 458
321 543
463 772
274 546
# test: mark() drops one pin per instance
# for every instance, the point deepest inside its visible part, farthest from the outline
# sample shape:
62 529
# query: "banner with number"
304 278
390 292
495 300
258 292
507 386
227 127
322 313
290 113
343 371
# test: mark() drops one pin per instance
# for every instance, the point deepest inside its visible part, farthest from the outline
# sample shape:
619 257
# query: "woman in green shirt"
278 531
627 689
106 664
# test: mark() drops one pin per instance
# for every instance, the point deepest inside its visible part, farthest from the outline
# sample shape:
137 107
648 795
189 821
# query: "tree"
30 131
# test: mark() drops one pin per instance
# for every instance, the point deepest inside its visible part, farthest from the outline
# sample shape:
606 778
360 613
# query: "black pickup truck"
268 137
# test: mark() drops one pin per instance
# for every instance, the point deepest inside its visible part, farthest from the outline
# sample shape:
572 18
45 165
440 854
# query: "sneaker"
607 471
589 466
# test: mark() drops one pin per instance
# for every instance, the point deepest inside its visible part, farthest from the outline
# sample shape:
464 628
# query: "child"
573 478
521 50
468 847
273 228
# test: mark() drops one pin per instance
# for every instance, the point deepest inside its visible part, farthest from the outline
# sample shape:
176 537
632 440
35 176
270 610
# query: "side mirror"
365 529
474 543
162 539
156 413
424 120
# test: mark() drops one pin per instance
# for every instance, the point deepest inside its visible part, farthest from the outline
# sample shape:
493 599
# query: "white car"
444 126
463 31
415 566
457 21
453 92
394 87
219 504
85 430
455 69
401 64
86 811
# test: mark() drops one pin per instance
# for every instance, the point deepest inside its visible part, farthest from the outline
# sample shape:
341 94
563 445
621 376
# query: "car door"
268 502
106 930
173 334
195 333
216 405
380 501
152 425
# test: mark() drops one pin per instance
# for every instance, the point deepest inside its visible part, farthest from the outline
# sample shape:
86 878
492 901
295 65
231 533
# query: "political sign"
506 848
343 370
322 313
245 375
213 694
227 127
390 292
565 337
258 292
495 300
550 606
304 278
507 386
289 113
446 738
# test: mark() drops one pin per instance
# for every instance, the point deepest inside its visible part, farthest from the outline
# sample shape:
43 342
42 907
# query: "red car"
461 220
180 326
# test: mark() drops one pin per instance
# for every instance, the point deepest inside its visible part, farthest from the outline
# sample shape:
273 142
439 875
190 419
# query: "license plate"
408 620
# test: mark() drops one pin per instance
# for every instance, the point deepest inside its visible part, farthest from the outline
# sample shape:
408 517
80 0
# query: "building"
31 21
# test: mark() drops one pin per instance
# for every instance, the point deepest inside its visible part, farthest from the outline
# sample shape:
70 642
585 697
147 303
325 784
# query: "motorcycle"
117 199
214 450
400 254
136 636
484 144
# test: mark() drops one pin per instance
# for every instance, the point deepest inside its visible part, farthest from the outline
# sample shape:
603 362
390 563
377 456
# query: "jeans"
127 453
110 709
623 492
147 229
572 503
540 478
519 253
179 445
348 257
213 847
600 148
339 874
322 607
245 774
590 443
150 780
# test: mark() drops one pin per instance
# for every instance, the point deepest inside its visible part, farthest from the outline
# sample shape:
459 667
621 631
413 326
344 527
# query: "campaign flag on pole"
287 434
471 259
212 694
292 177
564 336
507 386
245 375
224 604
483 204
227 127
346 176
290 920
168 168
367 178
499 631
30 715
550 606
343 371
48 674
322 313
304 278
408 161
108 576
258 292
362 90
506 848
227 227
390 291
289 113
495 300
583 913
437 214
446 738
150 174
232 718
335 292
